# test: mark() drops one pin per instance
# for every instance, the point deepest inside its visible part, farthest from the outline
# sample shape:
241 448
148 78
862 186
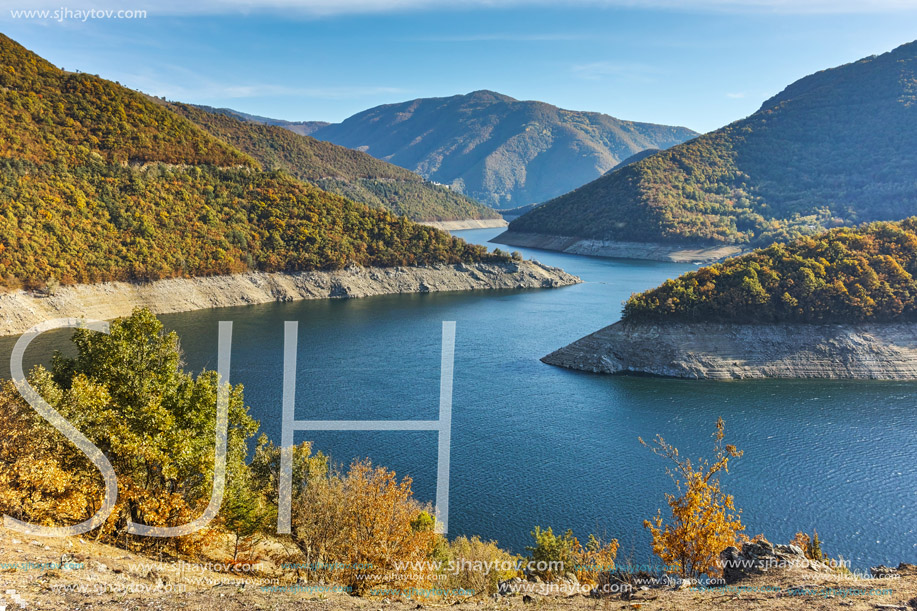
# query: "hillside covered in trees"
501 151
835 148
98 182
303 128
352 174
844 275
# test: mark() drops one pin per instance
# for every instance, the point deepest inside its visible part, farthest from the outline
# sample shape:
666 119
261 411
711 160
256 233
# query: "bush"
366 522
556 555
476 565
42 480
552 554
704 520
127 393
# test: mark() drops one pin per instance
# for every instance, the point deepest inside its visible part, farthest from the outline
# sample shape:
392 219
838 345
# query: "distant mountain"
99 183
500 151
834 148
303 128
512 213
634 159
337 169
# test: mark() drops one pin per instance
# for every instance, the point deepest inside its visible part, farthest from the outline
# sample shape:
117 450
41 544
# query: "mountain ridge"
303 128
498 150
99 183
336 169
833 148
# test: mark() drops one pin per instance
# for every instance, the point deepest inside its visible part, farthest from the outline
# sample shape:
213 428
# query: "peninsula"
842 304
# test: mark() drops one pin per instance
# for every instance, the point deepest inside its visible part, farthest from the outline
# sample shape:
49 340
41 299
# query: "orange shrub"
704 518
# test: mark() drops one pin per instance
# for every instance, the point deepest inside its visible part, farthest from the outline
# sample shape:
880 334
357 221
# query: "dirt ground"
58 574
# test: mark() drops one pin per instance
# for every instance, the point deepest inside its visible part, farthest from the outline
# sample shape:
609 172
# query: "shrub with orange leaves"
42 480
811 545
358 528
704 518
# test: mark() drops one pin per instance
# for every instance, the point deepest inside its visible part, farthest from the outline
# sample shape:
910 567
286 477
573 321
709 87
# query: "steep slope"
340 170
834 148
99 183
503 152
51 116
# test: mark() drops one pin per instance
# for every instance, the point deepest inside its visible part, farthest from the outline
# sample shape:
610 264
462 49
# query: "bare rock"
881 351
20 310
758 557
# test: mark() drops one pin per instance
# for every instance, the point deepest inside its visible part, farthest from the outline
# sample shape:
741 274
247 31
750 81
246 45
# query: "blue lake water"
538 445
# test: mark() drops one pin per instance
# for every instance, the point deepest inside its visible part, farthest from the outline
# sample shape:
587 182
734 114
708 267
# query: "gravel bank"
621 250
20 310
466 224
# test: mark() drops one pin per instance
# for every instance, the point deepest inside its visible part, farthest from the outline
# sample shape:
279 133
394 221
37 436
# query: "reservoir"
534 445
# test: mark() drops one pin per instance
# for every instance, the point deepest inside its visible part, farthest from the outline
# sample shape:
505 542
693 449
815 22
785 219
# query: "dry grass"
116 579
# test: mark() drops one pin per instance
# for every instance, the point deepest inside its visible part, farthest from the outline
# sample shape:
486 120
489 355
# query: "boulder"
757 557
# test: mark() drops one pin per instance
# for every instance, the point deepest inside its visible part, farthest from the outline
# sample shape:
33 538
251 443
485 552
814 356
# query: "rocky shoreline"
678 253
874 351
466 224
20 310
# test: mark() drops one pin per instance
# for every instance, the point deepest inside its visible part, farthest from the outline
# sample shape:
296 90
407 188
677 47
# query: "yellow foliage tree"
41 479
126 391
704 518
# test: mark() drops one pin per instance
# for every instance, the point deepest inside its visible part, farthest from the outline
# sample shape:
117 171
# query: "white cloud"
339 7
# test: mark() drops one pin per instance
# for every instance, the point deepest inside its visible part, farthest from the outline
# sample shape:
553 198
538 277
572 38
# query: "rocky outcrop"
881 351
679 253
20 310
760 557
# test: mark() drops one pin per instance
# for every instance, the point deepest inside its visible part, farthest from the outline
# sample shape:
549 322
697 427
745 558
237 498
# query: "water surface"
538 445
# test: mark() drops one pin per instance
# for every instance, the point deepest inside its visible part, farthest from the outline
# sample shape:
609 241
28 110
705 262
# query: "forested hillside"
51 116
97 182
340 170
835 148
843 275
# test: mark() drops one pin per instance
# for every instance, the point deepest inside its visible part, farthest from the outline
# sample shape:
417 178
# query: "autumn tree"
127 392
704 519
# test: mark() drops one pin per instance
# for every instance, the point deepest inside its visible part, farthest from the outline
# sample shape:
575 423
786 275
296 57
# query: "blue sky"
697 63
